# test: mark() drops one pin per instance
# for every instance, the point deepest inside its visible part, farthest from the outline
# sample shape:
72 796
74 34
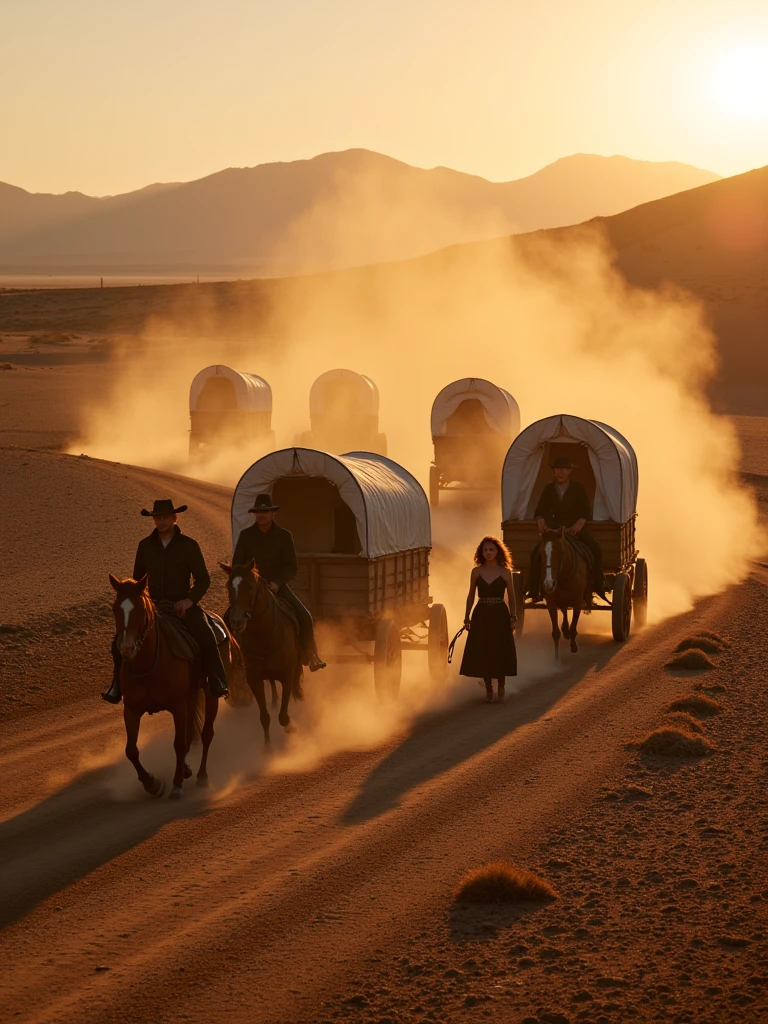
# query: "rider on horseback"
169 558
564 502
272 549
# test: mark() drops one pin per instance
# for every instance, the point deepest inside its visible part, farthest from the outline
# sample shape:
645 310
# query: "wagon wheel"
434 486
519 589
387 660
437 640
621 611
640 592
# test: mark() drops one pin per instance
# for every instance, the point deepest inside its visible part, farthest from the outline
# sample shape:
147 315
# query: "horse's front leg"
257 686
180 747
574 631
132 721
273 688
566 627
552 609
206 735
284 718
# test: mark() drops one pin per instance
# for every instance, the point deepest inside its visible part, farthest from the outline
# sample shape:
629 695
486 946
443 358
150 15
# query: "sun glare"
740 81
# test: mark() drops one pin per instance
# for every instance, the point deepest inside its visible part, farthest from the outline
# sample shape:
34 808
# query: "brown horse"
564 581
268 638
153 678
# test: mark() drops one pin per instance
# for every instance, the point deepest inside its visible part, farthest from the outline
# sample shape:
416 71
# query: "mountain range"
335 210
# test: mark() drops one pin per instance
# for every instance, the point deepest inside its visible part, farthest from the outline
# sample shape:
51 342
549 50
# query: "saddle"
183 645
288 611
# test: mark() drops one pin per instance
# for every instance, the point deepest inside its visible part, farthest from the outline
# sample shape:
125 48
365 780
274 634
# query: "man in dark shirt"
169 559
564 502
271 547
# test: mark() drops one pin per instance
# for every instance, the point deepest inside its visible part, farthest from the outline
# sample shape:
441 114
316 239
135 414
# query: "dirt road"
318 885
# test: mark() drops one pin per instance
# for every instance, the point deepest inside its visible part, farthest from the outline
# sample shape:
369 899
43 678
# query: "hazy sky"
107 96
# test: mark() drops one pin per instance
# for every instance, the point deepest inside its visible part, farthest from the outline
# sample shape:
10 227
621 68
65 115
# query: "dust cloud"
553 322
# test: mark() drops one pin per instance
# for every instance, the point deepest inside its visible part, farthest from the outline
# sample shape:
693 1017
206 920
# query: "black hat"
263 503
164 507
561 462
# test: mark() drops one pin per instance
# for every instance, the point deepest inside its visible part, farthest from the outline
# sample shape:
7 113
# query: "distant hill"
335 210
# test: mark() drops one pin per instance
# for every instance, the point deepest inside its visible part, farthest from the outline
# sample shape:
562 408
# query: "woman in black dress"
490 649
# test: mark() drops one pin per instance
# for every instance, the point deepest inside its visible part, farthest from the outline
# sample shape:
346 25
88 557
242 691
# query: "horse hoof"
155 788
187 772
202 782
175 793
574 648
290 727
566 633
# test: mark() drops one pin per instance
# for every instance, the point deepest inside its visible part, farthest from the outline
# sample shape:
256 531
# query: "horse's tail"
297 691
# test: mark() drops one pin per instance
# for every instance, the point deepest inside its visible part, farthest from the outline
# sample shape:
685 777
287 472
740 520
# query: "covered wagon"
473 422
344 414
229 407
361 527
606 465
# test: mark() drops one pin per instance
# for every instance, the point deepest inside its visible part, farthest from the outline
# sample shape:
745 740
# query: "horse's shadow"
438 743
75 831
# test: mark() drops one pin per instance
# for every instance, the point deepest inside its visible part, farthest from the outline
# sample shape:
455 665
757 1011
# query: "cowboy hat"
263 503
164 507
561 462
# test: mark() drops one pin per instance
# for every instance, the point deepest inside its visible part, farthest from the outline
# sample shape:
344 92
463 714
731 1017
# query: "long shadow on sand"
72 833
438 743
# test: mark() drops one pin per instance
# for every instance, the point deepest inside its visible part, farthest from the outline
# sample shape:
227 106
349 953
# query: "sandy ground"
318 886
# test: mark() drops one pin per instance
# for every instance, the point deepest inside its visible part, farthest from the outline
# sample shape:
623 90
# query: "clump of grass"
502 882
700 642
682 720
671 742
697 704
693 658
722 640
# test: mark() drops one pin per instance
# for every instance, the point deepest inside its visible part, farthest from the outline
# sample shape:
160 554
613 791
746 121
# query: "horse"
153 678
564 582
268 637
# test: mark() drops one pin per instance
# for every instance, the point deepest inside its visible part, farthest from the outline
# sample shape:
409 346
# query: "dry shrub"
682 720
700 642
502 882
694 658
697 703
715 637
668 742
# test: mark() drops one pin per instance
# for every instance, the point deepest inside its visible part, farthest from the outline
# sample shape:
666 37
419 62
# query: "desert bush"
671 742
700 643
693 658
502 882
682 720
697 704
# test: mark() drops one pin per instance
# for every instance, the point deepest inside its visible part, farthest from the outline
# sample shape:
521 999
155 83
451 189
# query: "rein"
249 617
151 622
452 644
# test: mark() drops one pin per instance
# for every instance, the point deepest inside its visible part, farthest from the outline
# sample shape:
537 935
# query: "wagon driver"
272 549
564 502
176 573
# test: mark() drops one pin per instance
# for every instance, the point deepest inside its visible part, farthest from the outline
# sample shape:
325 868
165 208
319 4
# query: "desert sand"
319 886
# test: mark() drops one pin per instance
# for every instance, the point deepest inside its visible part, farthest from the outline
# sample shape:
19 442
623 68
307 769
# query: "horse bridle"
139 643
568 575
249 616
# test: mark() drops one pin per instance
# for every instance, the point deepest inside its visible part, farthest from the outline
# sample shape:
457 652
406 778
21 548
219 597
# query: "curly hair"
503 554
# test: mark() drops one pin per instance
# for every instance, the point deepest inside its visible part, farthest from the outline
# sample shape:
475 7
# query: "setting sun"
740 81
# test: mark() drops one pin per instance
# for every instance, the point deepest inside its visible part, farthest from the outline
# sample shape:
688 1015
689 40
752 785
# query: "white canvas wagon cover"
252 393
322 391
502 413
611 457
389 505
